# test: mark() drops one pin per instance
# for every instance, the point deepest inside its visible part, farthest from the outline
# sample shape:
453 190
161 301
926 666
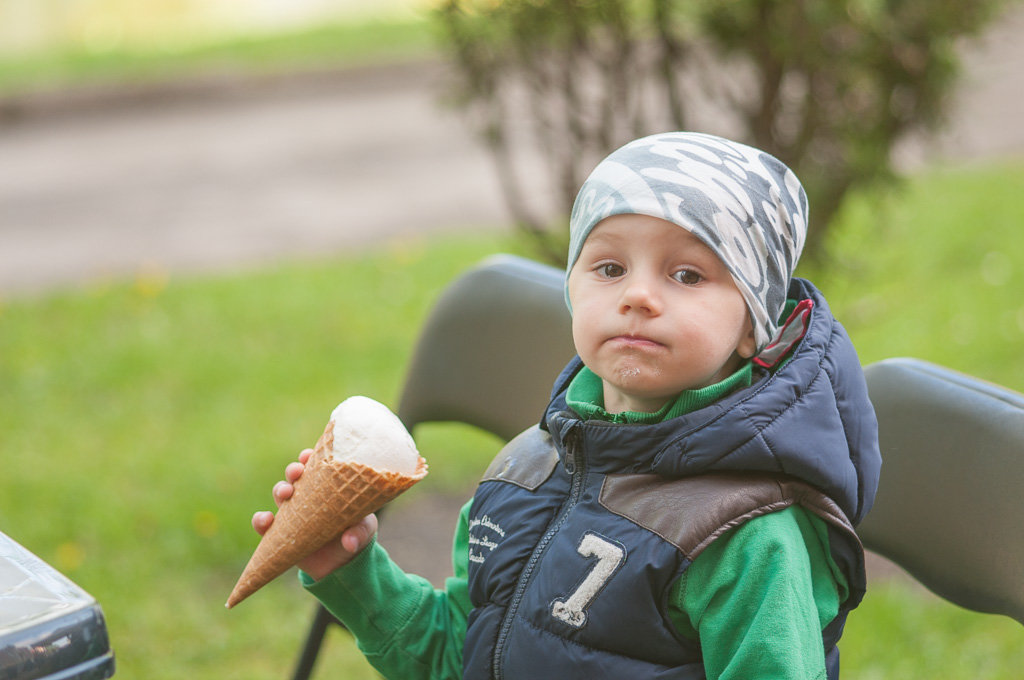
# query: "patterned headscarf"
744 204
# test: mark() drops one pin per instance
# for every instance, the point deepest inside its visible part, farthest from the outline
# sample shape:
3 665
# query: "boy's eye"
611 270
688 277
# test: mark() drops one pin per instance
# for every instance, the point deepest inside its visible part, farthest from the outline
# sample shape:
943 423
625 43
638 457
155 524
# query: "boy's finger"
358 535
294 471
282 492
262 520
352 540
304 455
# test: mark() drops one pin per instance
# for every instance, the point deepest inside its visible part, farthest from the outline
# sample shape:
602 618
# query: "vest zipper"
575 466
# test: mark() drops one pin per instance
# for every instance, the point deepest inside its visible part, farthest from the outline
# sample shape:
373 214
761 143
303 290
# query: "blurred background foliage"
827 87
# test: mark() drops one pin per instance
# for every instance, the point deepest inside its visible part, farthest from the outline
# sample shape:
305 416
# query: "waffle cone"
329 497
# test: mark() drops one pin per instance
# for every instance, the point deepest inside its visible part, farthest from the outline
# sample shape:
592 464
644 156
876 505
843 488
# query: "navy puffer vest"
579 528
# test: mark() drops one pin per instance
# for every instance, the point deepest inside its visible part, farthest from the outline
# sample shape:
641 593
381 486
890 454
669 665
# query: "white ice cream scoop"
367 432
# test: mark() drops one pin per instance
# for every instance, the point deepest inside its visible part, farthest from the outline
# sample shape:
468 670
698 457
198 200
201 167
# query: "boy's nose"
639 295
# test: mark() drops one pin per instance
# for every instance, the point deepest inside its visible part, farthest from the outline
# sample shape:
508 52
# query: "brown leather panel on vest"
691 512
526 461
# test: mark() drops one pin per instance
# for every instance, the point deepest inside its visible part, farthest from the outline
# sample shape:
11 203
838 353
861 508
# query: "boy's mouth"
630 341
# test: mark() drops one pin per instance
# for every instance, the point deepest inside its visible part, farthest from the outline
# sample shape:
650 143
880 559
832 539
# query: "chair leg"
321 621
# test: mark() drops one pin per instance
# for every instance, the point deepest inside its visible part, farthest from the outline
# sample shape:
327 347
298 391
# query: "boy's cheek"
582 334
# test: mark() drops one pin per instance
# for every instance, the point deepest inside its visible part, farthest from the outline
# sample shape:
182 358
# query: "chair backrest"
950 505
491 348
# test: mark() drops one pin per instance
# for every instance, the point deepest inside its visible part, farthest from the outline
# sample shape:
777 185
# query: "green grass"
901 632
144 421
320 47
935 270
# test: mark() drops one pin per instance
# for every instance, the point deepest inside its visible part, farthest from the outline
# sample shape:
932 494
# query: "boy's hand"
335 554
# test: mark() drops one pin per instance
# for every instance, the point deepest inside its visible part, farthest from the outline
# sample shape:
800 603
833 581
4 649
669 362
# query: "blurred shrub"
828 87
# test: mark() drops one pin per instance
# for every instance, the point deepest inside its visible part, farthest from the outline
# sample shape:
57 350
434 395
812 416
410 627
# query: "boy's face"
655 312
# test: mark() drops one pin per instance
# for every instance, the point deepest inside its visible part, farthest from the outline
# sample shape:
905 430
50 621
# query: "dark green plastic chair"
950 507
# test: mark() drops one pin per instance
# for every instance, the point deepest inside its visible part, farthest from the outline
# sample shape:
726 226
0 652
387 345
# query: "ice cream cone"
329 497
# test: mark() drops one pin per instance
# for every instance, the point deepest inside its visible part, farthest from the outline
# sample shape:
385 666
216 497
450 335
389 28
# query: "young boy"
685 508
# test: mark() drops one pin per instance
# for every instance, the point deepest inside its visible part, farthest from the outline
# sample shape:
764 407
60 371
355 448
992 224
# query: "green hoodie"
757 598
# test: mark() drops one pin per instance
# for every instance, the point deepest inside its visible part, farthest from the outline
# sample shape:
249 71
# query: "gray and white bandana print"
743 203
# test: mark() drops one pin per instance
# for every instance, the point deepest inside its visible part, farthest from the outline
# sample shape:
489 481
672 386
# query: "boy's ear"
748 345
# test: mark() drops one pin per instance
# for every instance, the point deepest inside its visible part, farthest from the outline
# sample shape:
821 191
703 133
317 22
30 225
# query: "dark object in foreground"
49 627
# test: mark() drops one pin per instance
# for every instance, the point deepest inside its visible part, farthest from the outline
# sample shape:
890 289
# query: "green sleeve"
759 597
403 625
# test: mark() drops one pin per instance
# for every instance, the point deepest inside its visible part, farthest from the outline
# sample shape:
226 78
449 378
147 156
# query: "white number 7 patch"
572 610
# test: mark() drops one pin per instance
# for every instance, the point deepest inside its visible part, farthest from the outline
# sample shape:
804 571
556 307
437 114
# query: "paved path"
220 176
210 179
